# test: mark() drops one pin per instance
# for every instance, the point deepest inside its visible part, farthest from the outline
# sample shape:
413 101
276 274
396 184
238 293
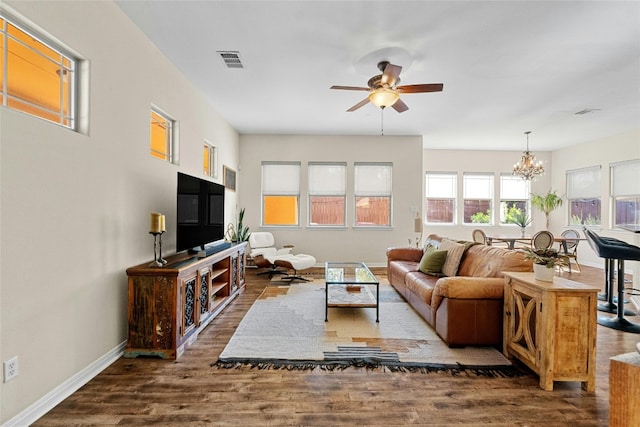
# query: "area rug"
285 329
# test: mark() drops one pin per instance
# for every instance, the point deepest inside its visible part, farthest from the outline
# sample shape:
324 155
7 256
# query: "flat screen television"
200 213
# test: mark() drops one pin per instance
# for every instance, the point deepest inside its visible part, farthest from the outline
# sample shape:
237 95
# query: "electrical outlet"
10 369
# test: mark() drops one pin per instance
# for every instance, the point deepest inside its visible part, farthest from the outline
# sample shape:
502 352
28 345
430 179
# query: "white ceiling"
507 66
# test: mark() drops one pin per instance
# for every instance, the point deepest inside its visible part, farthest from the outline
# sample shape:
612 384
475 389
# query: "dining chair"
569 248
479 236
542 240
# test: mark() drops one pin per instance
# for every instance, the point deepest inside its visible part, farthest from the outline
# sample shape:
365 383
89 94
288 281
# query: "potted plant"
521 220
241 233
544 262
547 203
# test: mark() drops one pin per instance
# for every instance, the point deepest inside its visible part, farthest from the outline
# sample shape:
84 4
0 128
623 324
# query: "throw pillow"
432 261
454 255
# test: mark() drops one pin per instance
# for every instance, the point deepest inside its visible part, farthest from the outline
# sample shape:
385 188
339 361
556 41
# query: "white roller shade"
441 185
625 178
478 186
373 179
327 179
514 188
281 178
584 183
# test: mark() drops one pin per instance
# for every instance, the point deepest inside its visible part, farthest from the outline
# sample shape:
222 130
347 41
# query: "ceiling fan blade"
429 87
358 105
350 88
390 74
400 106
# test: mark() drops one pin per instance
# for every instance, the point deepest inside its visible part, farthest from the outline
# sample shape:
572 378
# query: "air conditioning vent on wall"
231 58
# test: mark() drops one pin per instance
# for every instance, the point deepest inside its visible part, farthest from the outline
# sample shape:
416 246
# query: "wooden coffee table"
349 284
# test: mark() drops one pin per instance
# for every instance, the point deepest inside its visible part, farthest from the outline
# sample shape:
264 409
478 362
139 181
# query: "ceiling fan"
384 89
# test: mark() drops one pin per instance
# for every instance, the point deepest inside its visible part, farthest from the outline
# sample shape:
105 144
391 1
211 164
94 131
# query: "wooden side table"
624 390
551 328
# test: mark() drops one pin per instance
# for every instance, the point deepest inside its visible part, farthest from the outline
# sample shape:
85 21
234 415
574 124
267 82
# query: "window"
441 189
280 193
625 193
514 197
478 197
163 137
210 160
583 194
372 191
327 193
36 76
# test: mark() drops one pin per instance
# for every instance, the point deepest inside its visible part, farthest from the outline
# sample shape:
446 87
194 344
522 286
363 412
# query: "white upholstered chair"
265 254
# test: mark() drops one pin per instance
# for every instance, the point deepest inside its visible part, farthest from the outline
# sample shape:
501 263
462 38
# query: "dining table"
512 239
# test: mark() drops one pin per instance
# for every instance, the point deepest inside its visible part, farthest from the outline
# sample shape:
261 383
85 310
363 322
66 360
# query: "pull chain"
382 121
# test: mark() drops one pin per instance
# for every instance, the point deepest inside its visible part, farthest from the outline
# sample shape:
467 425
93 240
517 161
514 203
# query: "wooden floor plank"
190 392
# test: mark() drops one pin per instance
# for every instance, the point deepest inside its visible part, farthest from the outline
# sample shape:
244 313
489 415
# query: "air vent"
231 58
586 111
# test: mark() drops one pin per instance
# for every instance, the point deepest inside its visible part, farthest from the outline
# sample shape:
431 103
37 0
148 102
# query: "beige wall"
346 244
75 207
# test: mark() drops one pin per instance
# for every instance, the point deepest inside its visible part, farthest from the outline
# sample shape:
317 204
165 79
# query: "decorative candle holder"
157 228
162 260
157 261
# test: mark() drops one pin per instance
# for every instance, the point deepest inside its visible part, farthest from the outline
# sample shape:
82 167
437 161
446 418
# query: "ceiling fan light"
383 98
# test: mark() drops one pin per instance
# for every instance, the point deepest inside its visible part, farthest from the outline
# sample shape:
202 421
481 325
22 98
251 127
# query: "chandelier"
527 167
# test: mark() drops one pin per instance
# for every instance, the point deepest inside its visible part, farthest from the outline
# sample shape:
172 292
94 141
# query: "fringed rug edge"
493 371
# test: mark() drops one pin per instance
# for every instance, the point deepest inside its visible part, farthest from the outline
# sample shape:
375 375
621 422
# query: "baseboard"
66 389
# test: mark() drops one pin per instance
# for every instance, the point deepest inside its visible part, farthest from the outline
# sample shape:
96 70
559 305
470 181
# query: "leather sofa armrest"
461 287
404 254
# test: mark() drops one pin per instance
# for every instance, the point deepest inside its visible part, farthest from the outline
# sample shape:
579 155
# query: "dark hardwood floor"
189 392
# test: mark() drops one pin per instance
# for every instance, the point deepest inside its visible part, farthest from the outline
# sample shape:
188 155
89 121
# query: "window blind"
373 179
281 178
584 183
441 185
327 179
478 186
513 188
625 178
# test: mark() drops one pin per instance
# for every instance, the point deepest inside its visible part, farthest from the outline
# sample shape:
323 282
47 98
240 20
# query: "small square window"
162 137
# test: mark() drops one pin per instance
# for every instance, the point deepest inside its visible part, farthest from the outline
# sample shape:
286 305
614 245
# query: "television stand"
170 305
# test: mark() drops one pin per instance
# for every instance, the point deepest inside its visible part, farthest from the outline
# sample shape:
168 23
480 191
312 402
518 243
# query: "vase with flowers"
544 262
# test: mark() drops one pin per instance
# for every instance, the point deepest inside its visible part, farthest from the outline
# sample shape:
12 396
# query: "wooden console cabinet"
624 390
551 328
170 305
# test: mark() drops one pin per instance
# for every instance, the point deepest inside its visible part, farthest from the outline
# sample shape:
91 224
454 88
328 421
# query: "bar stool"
614 249
611 305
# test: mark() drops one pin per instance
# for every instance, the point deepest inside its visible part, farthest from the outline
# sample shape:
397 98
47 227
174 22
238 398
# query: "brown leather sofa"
465 309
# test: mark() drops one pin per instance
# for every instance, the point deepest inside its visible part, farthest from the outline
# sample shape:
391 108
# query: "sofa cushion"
432 261
420 285
491 261
404 267
454 255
